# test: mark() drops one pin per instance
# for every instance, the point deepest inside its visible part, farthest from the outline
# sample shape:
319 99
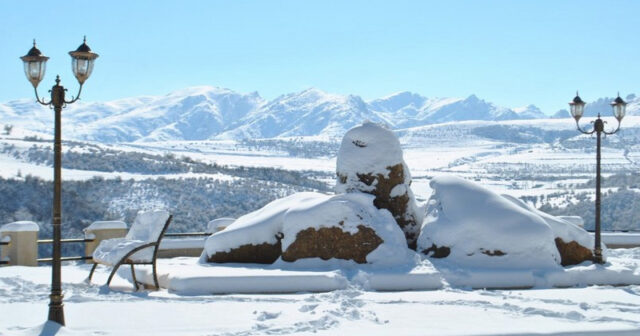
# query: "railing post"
23 243
101 230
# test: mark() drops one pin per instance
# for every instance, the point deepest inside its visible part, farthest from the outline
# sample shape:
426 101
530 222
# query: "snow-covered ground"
92 309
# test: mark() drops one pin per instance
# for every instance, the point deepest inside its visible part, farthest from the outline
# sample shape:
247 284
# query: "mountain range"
204 112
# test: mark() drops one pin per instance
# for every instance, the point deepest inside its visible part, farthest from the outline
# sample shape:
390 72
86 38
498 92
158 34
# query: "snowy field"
92 309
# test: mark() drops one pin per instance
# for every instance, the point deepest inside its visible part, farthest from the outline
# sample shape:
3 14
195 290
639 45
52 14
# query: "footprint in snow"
308 308
263 316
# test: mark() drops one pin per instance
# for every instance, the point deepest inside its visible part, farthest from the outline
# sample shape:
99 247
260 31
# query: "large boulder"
370 161
327 243
472 226
307 226
347 227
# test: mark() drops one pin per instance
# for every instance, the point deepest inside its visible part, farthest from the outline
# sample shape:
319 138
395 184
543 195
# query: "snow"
182 243
148 225
219 224
575 220
475 222
620 238
106 225
351 309
188 276
20 226
563 229
111 251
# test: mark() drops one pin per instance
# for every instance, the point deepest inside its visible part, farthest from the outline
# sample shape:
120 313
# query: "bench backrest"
148 225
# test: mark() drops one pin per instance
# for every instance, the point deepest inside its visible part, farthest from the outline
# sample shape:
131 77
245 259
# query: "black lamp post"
34 67
577 109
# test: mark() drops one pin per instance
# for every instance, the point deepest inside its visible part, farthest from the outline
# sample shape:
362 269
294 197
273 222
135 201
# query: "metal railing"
65 241
88 240
187 234
44 260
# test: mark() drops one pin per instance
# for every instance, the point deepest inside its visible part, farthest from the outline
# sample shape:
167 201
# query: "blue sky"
509 52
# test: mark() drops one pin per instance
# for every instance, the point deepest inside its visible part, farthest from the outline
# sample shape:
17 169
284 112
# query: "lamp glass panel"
89 67
35 71
577 110
619 111
82 68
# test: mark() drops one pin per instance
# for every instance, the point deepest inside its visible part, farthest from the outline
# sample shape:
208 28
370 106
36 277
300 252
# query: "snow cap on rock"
369 148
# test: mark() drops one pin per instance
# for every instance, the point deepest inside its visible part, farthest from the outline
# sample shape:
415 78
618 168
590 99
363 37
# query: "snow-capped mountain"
529 112
408 109
310 112
205 112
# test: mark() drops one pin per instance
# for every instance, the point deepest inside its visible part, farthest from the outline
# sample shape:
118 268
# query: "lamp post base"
56 311
597 256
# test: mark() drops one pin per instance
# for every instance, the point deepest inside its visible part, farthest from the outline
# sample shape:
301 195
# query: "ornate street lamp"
577 110
34 67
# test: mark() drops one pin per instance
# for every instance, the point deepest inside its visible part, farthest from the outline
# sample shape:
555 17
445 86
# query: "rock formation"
370 161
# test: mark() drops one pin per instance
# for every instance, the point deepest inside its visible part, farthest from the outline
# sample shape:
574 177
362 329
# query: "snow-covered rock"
475 227
254 237
311 225
370 161
572 241
345 227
